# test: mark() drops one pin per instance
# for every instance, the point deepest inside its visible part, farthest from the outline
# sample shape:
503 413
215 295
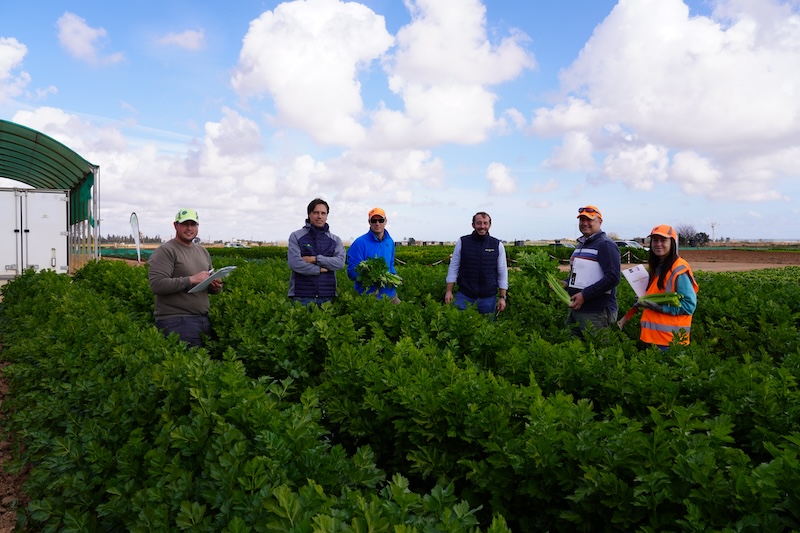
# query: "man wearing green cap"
175 267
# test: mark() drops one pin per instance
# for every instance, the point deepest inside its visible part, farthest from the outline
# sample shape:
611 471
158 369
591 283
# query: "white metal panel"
45 233
10 227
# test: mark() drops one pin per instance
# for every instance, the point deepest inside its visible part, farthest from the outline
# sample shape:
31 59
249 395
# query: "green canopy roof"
40 161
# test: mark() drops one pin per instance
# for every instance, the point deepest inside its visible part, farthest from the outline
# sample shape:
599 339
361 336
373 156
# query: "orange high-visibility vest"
659 328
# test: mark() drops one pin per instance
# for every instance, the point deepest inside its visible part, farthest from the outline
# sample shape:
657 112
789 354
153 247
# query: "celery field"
364 416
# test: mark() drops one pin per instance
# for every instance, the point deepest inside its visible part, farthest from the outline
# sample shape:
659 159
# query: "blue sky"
657 111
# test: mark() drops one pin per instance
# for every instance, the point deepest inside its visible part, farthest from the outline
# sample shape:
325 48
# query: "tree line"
128 239
687 236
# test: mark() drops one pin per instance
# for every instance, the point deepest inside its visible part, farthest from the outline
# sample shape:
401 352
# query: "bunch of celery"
558 288
374 273
664 298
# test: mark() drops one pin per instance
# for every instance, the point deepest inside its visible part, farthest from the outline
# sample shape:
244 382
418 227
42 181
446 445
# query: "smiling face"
481 225
185 232
660 245
589 226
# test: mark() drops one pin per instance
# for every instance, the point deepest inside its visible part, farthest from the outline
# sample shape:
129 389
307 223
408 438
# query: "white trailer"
34 231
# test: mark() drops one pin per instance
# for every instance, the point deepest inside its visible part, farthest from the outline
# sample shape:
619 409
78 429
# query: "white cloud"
653 80
83 42
573 114
447 41
56 123
696 174
500 178
574 154
442 68
638 167
307 56
389 173
188 39
436 114
12 53
301 178
231 147
511 119
226 175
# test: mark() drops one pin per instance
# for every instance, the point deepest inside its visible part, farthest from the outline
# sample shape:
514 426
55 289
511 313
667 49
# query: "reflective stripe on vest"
659 328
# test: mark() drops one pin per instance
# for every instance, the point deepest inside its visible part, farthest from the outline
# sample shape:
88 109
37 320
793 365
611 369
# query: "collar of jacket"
311 227
584 240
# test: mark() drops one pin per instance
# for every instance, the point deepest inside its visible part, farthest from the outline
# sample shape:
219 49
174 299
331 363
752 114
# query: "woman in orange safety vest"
668 273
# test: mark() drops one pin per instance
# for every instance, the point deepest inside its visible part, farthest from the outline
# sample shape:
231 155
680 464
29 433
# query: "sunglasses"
586 210
377 220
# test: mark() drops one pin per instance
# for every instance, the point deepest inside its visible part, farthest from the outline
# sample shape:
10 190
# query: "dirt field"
733 260
737 260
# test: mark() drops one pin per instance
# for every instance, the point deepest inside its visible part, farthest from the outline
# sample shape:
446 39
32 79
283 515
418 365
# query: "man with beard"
175 267
479 268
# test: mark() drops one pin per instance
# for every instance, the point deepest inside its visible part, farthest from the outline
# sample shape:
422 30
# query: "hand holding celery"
558 288
374 272
659 299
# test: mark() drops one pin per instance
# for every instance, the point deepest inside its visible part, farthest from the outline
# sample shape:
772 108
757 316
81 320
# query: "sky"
656 111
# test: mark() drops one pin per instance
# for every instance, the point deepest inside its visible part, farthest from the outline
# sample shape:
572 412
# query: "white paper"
218 274
638 278
584 273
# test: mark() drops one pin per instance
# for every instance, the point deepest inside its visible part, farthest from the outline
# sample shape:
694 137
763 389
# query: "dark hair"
666 264
483 214
314 203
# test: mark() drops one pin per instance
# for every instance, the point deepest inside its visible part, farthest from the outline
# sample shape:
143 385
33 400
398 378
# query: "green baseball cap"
186 214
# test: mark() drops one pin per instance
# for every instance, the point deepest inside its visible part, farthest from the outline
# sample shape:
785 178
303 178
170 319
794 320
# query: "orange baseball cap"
376 211
589 211
665 231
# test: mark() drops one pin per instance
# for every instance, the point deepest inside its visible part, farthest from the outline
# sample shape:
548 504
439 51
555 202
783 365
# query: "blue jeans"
188 328
319 300
486 305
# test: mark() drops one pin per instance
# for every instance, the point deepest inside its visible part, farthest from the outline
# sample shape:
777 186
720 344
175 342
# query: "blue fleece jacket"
368 246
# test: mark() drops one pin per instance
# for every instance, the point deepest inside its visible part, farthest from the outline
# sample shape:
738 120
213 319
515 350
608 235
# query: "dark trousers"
188 328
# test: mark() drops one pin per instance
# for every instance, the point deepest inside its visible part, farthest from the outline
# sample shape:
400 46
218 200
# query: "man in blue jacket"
375 243
315 254
479 267
594 275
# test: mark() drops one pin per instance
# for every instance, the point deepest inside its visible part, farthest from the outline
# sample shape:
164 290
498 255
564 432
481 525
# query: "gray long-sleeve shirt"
170 267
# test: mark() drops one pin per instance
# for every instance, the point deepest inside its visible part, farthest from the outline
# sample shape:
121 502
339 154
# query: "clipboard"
584 272
218 274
